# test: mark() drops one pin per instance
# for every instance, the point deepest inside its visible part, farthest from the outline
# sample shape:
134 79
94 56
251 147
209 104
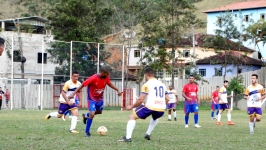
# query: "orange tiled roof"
240 5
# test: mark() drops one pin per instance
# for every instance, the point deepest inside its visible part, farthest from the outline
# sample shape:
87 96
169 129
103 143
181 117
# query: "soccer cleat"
219 123
64 117
84 118
169 119
47 117
197 126
230 123
69 116
124 139
88 134
211 118
186 126
175 119
147 137
73 131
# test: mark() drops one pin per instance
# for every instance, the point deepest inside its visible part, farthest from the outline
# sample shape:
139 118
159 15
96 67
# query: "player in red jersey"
96 85
215 103
190 93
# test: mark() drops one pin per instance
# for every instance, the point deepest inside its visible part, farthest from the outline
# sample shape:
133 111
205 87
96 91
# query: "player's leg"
212 111
195 109
65 114
217 106
92 109
153 122
251 112
186 111
174 112
7 104
74 112
0 104
258 115
221 109
169 111
229 115
61 109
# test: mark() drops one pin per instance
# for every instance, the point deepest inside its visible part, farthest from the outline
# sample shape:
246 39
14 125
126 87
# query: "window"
220 22
169 75
186 53
159 74
170 52
202 72
16 56
246 18
40 58
262 16
218 72
136 53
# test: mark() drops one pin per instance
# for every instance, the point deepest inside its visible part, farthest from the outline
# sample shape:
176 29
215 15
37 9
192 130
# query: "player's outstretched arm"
77 90
139 101
166 98
66 98
111 85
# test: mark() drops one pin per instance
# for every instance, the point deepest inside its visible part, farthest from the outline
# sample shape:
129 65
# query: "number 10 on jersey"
159 91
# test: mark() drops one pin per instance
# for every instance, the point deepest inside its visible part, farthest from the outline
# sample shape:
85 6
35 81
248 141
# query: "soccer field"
26 129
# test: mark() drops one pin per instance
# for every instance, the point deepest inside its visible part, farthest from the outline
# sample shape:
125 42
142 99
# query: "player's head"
149 73
2 45
217 88
170 87
104 72
75 76
191 78
225 83
254 78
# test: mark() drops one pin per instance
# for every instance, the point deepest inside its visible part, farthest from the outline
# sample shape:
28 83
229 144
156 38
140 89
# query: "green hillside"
9 9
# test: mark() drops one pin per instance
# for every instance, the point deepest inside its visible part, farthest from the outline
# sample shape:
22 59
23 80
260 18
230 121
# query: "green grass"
28 130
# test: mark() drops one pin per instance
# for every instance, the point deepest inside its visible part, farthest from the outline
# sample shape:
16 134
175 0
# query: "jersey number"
159 90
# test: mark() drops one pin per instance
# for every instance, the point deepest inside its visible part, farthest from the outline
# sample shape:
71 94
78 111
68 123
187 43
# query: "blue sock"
88 125
186 119
88 115
66 112
212 114
196 118
217 112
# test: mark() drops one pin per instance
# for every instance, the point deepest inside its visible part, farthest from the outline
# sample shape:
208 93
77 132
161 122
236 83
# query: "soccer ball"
102 130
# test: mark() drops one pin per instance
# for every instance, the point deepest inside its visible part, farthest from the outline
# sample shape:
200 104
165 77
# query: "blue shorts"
224 106
190 108
143 112
93 105
215 106
76 102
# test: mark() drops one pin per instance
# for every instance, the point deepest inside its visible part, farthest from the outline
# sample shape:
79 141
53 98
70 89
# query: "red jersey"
96 86
191 91
215 96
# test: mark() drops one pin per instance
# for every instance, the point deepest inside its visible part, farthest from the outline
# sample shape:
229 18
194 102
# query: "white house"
32 45
214 65
251 10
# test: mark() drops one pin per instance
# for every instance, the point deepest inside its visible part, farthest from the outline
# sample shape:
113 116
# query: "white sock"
73 122
229 117
255 120
174 114
153 123
130 127
251 127
53 114
219 117
169 116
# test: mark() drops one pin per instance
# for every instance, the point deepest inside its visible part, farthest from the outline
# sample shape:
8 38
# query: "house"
237 63
31 40
251 10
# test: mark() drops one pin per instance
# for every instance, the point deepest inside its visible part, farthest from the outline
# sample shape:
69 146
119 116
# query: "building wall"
210 69
31 46
254 14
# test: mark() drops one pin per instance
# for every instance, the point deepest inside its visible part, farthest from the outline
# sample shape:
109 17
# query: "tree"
236 85
177 16
80 20
257 33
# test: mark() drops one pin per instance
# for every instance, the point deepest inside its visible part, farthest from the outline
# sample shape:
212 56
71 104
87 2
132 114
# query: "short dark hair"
149 71
75 72
105 69
2 41
225 81
255 75
191 75
217 86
